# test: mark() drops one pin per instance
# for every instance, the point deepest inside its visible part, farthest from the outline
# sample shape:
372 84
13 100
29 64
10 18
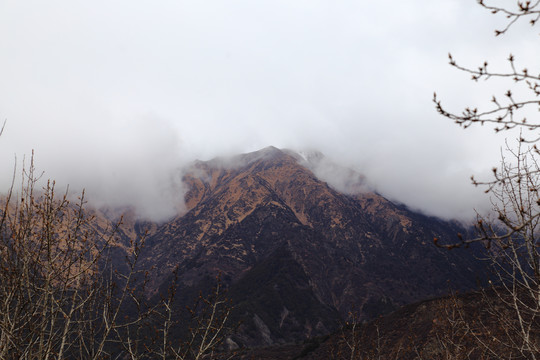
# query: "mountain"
298 253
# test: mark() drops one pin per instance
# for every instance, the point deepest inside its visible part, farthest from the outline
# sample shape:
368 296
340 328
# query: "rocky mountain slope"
458 326
296 253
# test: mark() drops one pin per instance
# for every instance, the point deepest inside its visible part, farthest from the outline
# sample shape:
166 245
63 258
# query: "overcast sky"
114 96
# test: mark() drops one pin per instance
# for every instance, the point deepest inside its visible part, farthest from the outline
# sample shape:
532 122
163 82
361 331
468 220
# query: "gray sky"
115 95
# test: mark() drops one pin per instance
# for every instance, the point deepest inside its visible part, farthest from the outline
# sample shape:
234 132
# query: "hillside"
473 325
297 254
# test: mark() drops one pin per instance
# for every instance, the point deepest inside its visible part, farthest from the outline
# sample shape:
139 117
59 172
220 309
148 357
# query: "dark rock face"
297 254
431 329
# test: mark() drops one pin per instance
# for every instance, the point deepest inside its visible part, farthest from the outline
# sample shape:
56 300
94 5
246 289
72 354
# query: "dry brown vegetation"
68 291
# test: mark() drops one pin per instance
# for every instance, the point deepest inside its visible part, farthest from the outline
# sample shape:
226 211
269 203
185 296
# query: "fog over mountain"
118 97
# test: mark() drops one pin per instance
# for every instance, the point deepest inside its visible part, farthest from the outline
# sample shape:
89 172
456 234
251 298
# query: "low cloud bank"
120 165
118 97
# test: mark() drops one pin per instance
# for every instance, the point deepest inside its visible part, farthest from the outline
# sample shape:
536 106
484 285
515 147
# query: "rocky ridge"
296 253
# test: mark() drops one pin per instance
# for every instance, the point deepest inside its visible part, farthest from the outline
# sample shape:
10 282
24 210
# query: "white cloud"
114 96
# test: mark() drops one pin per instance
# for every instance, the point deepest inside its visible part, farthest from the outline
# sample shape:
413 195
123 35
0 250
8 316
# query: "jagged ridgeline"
298 253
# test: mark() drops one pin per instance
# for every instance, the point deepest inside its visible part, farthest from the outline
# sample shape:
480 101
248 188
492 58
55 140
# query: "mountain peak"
239 161
337 176
297 244
267 153
269 149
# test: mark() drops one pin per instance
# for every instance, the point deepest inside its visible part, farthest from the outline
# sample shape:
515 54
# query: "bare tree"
507 110
63 295
207 328
511 239
512 247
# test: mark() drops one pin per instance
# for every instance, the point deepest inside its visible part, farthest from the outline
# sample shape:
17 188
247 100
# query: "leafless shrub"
63 295
358 341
